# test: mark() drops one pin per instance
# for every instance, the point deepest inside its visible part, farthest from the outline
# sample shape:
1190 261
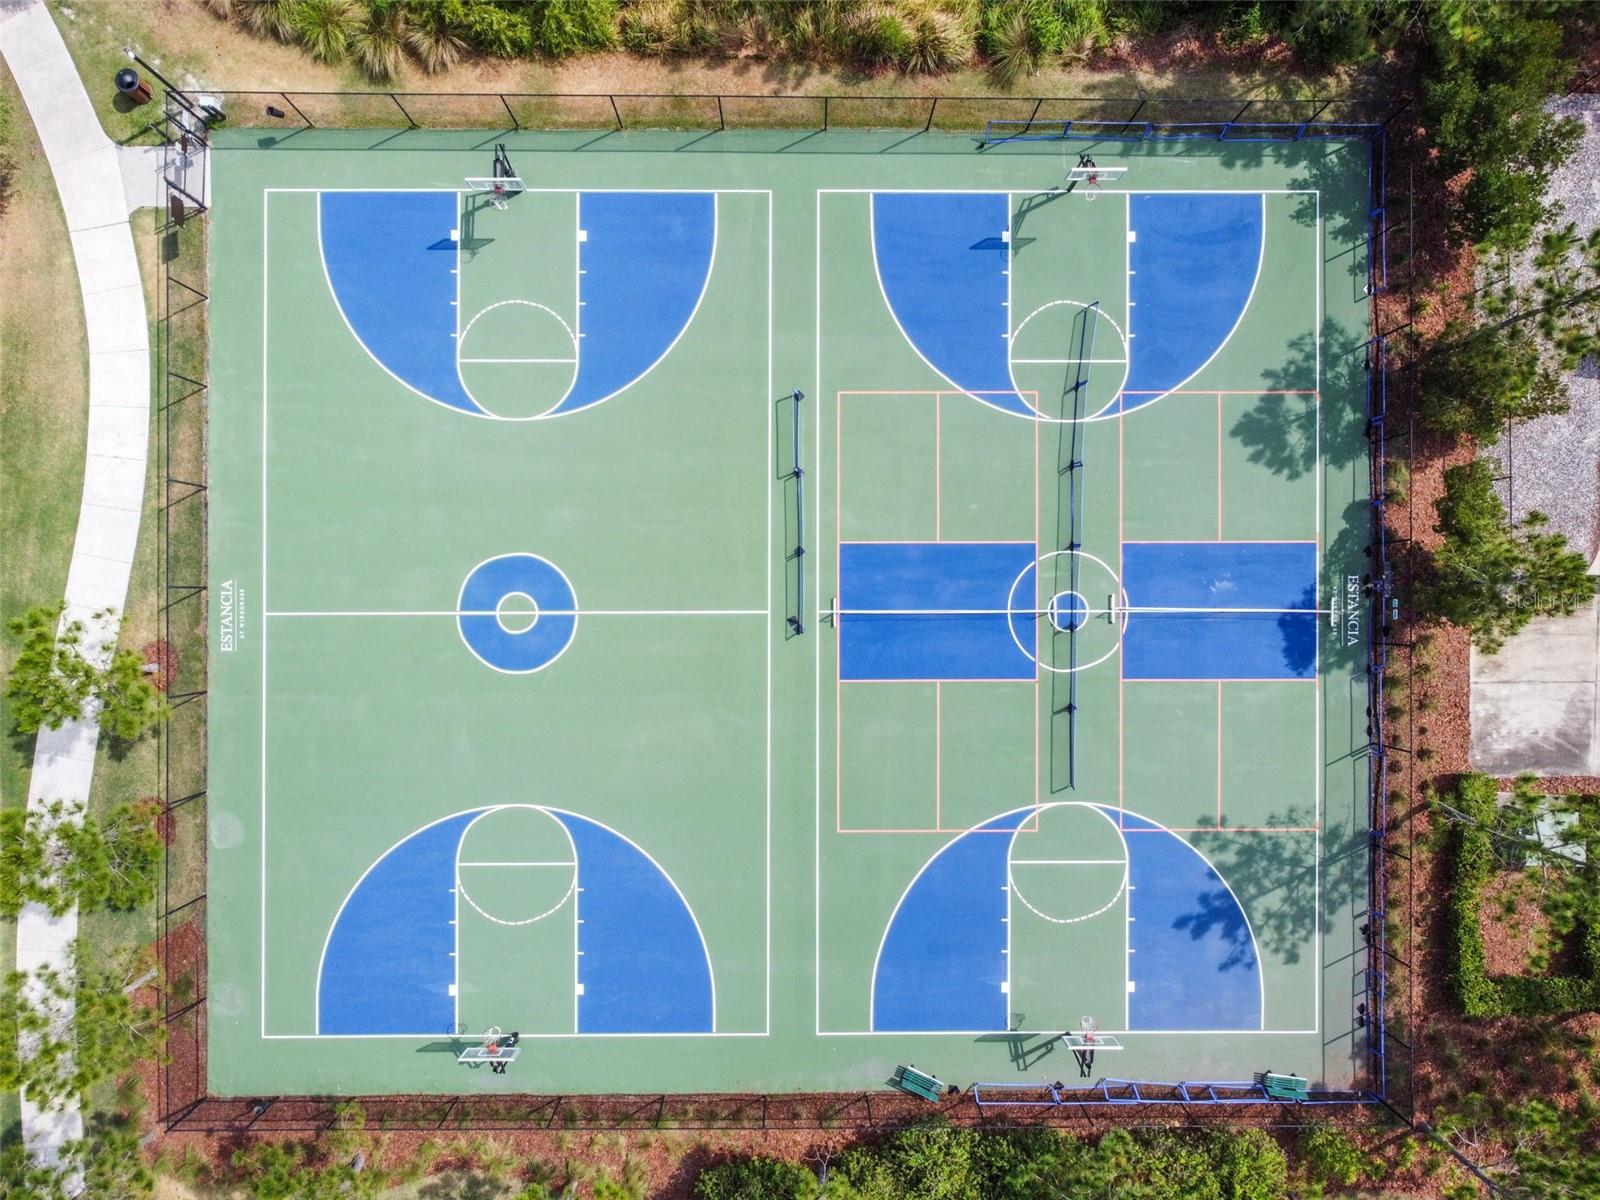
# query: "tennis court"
747 616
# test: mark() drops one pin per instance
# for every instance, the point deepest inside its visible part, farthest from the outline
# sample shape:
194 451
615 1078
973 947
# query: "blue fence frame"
1139 1091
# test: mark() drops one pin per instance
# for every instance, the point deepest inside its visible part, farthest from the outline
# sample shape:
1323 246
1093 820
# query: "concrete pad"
75 740
141 176
97 582
1551 649
114 482
60 109
62 777
105 257
115 321
106 532
1546 728
91 189
45 1133
119 432
25 39
120 379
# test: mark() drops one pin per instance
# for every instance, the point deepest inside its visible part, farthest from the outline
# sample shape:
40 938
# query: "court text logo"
229 629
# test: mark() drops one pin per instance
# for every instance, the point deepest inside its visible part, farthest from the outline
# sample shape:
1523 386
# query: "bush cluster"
1472 864
1492 575
1015 37
935 1160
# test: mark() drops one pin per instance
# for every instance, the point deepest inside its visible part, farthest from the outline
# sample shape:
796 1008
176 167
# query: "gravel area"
1552 464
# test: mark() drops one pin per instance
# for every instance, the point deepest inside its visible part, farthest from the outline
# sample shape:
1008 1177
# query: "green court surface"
548 695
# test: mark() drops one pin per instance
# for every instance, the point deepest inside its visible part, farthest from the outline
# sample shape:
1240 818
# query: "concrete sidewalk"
88 177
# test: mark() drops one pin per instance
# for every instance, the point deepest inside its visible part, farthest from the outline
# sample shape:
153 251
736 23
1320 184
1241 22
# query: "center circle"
517 612
1031 612
1068 611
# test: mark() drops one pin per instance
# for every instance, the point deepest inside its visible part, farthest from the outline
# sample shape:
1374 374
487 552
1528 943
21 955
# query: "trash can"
131 86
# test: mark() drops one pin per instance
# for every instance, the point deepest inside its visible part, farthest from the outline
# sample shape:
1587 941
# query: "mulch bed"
165 658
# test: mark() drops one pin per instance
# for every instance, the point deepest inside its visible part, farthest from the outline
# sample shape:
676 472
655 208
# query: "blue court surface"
747 621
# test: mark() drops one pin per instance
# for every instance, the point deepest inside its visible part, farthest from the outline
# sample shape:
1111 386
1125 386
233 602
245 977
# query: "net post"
797 622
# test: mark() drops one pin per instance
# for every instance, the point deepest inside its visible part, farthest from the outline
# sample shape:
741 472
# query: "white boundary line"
543 612
766 612
816 643
266 309
768 484
1037 192
1318 765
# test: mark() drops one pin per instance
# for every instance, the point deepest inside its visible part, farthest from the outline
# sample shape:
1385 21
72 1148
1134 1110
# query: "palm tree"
432 38
268 18
324 27
378 46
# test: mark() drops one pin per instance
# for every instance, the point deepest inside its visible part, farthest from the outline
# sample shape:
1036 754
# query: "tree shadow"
1299 631
1290 897
1286 438
1216 914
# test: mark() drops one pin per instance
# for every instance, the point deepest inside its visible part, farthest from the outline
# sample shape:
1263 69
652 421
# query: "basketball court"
693 621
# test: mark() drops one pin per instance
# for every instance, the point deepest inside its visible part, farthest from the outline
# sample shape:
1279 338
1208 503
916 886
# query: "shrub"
938 41
1330 1156
433 36
489 27
1493 576
756 1179
1008 42
569 27
378 44
324 27
1472 863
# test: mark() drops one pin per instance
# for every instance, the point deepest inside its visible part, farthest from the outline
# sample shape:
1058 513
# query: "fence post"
722 121
615 111
824 114
515 124
309 123
403 111
928 124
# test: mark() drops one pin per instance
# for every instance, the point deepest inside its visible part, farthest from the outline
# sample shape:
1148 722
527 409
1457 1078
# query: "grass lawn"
43 423
125 774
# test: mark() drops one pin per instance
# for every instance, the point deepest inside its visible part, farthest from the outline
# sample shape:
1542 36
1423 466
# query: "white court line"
266 207
516 864
1317 767
1066 862
1068 362
816 642
1037 192
543 612
767 485
566 190
567 361
1088 613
